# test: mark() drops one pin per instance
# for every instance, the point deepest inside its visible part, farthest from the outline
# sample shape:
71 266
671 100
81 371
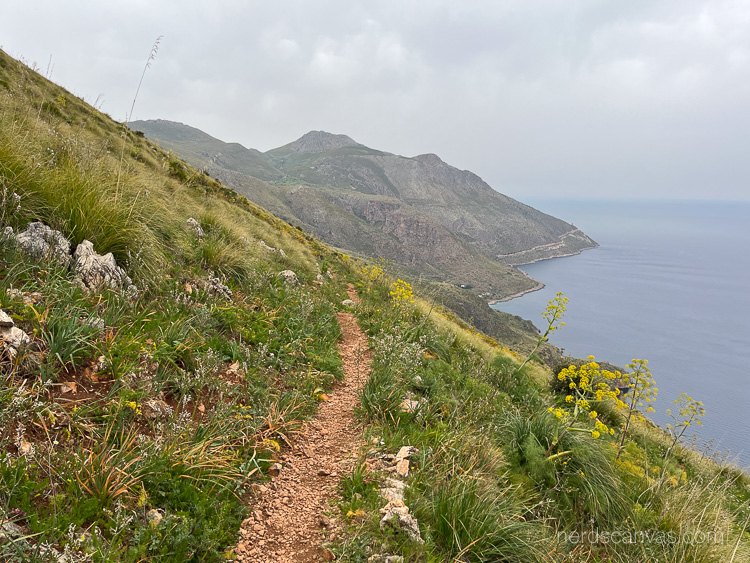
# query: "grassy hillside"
134 425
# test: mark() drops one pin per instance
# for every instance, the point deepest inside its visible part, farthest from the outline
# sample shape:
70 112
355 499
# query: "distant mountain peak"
430 159
320 141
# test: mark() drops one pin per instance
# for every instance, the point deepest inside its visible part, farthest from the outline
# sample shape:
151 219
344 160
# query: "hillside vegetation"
140 414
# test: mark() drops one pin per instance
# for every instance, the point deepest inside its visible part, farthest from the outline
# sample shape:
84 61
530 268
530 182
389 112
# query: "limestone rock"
392 493
155 516
7 232
412 405
13 339
401 522
10 530
264 246
155 408
40 242
397 506
5 320
402 467
320 278
275 470
289 277
385 559
395 484
406 452
348 303
195 226
94 271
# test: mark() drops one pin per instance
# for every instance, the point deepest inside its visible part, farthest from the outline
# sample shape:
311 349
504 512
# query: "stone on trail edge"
290 514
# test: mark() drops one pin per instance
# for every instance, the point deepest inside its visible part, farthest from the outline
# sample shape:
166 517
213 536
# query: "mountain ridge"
432 218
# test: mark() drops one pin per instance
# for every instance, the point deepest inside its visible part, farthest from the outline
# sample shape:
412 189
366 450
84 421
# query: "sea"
669 283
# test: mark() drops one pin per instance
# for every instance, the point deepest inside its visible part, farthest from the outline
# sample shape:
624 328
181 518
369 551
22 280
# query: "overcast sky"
562 98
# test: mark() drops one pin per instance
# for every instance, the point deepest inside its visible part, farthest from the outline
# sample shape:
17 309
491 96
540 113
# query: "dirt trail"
288 521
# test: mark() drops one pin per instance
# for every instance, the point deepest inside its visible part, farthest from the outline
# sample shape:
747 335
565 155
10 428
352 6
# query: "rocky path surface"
289 519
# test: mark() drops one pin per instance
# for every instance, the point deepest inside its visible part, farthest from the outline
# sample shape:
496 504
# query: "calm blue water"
670 283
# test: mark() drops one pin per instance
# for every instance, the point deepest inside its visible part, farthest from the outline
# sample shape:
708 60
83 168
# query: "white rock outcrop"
12 338
289 277
94 271
42 242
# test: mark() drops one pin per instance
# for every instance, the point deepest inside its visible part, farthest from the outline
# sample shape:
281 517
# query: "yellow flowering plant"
587 384
402 294
553 314
691 412
642 390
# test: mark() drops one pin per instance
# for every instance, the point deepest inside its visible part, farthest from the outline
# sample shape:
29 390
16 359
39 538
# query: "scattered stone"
7 232
68 387
392 493
393 490
275 470
195 226
324 521
395 506
412 405
10 530
26 448
259 490
40 241
406 452
5 320
395 484
94 271
289 277
155 516
418 380
402 467
320 278
328 555
264 246
348 303
13 339
329 275
401 522
155 408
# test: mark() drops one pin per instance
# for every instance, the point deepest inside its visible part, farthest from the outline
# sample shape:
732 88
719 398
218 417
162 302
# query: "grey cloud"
556 97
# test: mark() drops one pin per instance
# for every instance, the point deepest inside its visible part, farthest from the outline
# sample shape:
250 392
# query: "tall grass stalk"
151 58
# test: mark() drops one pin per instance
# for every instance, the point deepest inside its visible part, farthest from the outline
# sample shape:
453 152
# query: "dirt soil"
291 516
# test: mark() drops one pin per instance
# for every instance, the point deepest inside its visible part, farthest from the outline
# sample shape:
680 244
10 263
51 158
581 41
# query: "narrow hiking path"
288 520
